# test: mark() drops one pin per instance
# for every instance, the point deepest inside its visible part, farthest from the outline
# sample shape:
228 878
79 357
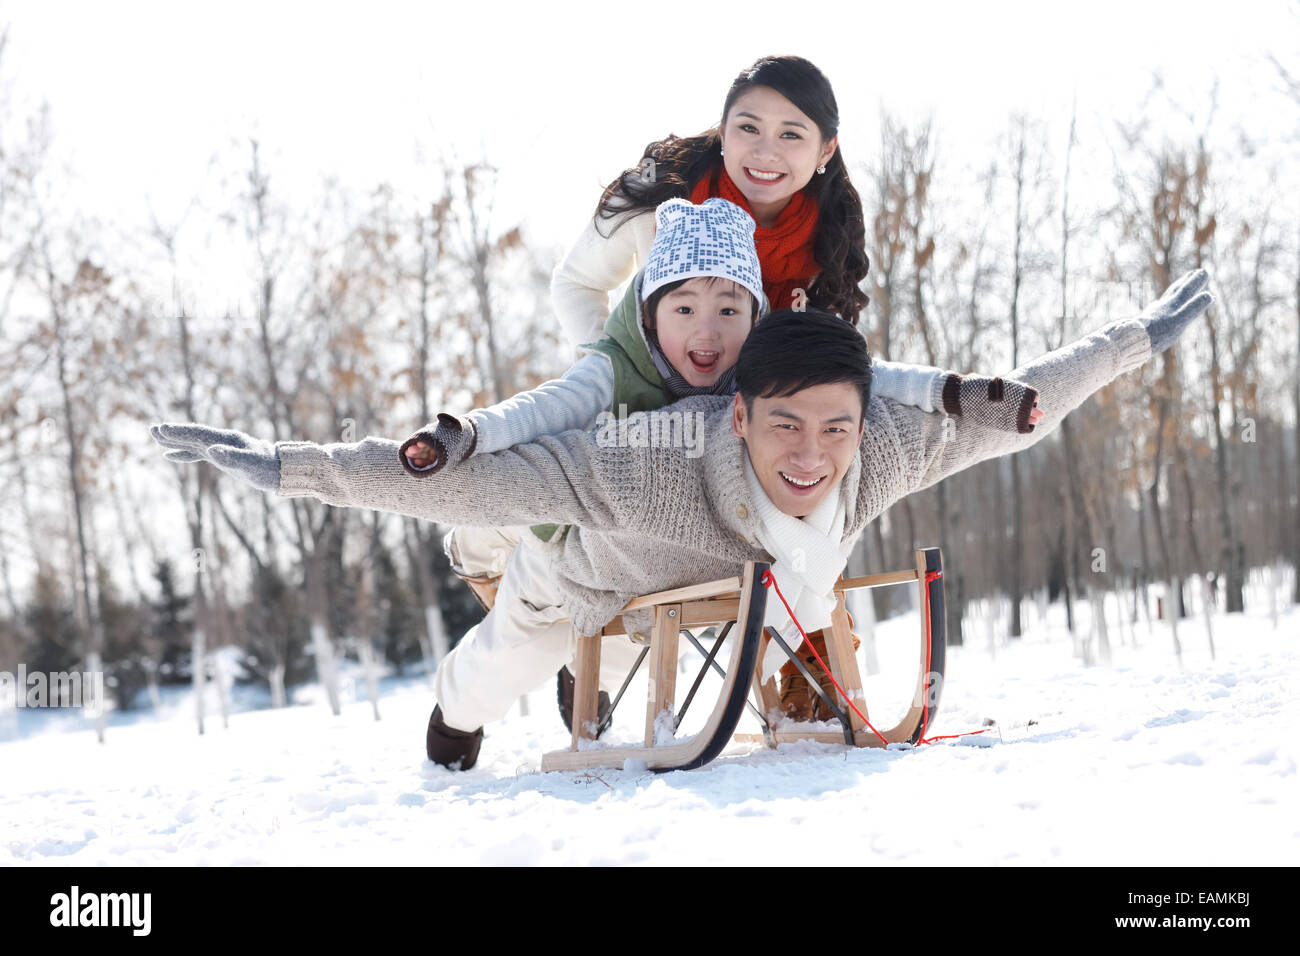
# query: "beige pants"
483 551
523 641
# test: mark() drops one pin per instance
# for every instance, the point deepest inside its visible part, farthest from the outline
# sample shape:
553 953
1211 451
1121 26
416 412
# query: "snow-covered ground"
1135 763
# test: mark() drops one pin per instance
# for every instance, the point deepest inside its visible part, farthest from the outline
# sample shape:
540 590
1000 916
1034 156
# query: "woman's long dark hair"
672 166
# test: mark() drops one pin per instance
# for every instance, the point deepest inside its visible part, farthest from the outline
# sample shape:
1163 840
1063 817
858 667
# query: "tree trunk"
276 679
1174 587
1015 563
1198 561
1142 574
1064 545
366 619
433 644
954 585
221 679
323 648
199 655
93 625
1295 404
1234 573
1083 513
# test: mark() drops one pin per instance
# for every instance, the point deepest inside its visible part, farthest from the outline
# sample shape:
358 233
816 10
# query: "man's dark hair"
789 351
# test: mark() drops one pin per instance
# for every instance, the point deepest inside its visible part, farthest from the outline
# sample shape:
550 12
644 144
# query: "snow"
1136 763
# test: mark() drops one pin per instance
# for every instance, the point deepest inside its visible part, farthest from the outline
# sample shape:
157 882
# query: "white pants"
519 645
483 551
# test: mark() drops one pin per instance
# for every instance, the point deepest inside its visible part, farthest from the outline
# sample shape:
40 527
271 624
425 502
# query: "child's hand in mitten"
1001 403
449 442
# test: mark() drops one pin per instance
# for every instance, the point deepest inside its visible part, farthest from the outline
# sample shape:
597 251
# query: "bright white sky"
562 96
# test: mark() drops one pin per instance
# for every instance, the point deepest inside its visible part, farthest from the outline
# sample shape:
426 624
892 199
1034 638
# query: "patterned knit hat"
715 238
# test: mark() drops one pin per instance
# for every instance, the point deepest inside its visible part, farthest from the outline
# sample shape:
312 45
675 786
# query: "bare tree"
281 410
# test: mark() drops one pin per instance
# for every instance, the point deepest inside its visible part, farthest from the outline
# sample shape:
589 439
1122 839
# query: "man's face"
801 445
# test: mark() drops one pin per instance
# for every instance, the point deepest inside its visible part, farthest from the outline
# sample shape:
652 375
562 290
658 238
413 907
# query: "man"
792 470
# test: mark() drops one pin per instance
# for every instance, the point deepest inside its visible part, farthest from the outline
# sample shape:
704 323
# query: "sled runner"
736 606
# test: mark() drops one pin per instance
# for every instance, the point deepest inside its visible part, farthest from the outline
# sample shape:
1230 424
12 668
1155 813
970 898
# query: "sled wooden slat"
693 592
663 667
843 661
694 614
875 580
586 689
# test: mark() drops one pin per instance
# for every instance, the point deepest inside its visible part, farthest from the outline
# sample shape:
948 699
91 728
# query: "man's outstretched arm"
1064 379
567 478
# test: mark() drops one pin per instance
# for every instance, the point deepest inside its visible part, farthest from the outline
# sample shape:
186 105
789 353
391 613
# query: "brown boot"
821 710
564 691
454 749
800 703
796 702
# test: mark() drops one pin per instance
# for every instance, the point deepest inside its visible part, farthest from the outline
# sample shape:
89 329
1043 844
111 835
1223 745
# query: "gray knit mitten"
453 439
1167 318
1001 403
247 458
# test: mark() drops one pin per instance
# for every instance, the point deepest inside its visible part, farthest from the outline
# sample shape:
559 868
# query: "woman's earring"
821 170
721 152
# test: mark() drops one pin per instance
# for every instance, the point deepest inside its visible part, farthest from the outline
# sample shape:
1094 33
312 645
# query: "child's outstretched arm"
1001 403
574 400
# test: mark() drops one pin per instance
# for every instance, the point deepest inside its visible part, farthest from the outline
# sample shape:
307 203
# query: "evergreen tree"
171 626
277 631
55 640
126 651
396 612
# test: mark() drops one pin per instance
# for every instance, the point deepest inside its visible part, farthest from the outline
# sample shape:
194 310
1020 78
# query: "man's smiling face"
801 445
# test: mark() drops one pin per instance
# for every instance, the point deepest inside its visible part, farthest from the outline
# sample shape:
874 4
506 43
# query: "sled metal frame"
738 605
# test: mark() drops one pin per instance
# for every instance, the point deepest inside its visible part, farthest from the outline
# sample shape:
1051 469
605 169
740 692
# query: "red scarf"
785 252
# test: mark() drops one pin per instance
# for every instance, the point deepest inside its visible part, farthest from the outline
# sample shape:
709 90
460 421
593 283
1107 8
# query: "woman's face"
771 149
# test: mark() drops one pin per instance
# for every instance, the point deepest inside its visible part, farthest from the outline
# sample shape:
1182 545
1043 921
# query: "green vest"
638 386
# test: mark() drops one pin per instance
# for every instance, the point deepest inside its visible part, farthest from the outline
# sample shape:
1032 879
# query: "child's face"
701 326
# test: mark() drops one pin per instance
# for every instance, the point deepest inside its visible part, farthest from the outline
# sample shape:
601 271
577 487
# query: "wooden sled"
737 605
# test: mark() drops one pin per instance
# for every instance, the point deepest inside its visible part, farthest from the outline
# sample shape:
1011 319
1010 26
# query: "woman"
775 154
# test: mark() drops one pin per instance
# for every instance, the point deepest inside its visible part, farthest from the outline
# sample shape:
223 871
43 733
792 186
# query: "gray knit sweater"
647 519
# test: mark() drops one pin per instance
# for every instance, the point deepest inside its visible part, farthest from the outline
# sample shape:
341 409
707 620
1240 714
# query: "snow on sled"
736 606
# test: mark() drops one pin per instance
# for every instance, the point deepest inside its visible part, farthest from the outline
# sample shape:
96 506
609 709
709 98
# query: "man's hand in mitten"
1184 301
448 442
248 459
1001 403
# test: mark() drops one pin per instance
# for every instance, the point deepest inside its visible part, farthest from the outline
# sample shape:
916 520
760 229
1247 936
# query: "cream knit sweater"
654 518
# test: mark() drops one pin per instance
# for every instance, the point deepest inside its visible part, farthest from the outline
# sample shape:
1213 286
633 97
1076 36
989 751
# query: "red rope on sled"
769 580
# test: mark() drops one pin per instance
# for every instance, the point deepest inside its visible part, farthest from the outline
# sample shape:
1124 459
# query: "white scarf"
810 556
